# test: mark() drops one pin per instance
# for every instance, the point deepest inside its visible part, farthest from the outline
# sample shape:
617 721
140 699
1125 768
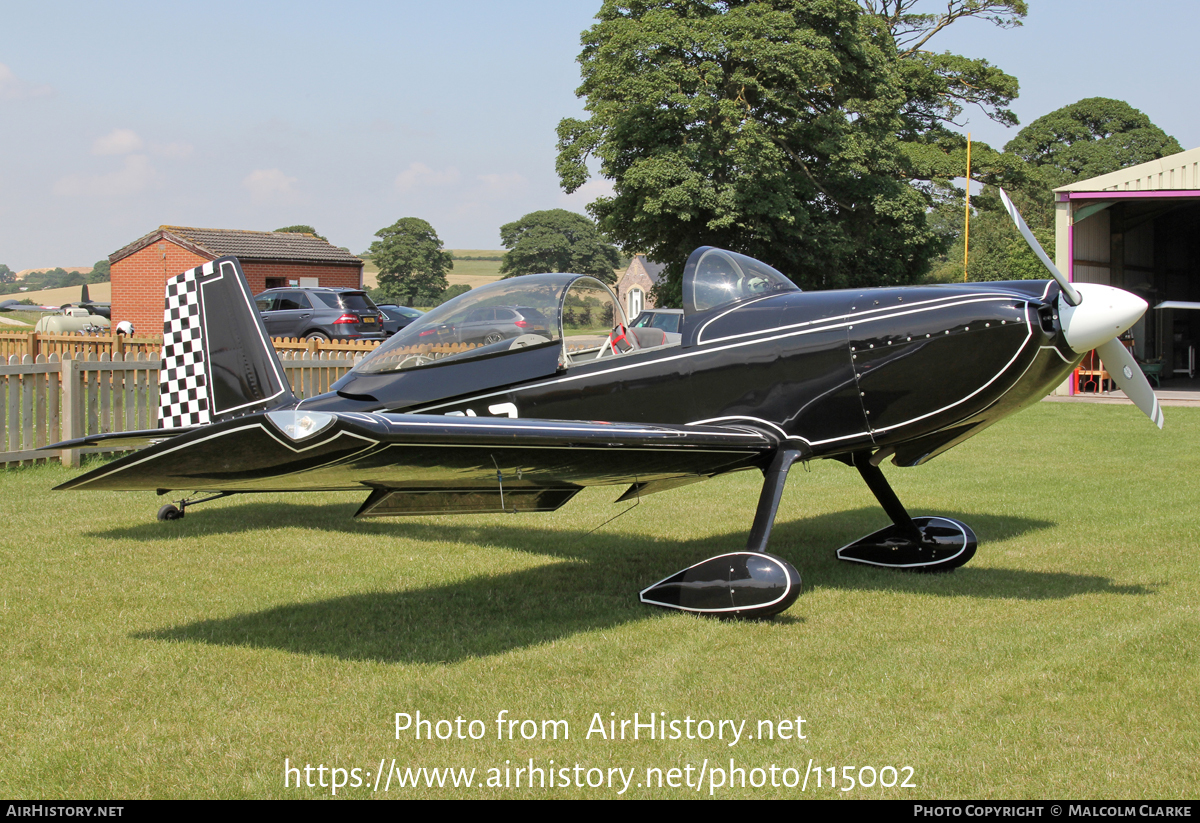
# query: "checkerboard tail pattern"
183 386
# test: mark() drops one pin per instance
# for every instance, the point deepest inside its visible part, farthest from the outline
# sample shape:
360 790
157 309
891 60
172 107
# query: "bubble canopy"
715 277
574 311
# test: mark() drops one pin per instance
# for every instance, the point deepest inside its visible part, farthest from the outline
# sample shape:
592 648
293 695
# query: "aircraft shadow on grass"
588 588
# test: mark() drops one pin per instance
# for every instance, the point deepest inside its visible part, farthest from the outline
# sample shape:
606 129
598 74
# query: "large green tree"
7 275
938 86
557 241
412 264
789 130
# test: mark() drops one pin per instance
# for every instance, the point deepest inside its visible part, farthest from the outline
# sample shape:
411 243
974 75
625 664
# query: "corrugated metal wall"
1092 246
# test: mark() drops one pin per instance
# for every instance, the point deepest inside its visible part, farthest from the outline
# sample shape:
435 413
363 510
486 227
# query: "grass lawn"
471 273
192 658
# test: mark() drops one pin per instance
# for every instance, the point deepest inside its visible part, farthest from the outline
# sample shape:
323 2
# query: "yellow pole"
967 221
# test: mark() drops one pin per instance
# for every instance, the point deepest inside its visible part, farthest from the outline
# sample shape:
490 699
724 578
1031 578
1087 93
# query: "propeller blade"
1123 369
1069 292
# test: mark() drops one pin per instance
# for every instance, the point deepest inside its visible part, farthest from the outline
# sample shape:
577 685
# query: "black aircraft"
762 375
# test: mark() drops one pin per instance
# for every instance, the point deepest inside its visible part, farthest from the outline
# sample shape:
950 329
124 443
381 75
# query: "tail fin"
218 361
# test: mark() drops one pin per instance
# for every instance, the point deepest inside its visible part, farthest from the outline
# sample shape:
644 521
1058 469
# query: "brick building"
633 287
269 259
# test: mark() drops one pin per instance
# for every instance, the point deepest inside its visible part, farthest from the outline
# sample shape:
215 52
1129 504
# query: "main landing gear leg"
748 583
928 544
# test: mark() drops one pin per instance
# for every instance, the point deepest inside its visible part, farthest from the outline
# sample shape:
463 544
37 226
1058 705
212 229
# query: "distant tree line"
413 263
303 230
55 278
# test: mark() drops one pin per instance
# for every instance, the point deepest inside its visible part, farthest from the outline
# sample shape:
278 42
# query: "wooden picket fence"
312 373
49 399
35 344
79 345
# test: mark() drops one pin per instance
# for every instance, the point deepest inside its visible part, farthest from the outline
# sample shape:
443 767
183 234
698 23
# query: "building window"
637 301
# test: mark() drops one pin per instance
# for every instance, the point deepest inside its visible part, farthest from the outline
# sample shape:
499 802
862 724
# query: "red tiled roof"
245 245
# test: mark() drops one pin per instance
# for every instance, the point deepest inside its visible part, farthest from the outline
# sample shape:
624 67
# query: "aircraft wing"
13 305
416 464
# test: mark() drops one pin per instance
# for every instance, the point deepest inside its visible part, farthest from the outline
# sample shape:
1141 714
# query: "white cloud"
135 175
117 141
14 88
127 141
269 184
418 175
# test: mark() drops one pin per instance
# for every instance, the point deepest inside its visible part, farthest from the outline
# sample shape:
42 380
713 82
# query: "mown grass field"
190 659
471 273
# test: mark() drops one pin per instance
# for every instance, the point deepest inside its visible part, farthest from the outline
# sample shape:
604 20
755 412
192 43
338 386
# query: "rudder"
218 361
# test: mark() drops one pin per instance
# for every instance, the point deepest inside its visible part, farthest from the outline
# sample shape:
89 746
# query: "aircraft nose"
1102 314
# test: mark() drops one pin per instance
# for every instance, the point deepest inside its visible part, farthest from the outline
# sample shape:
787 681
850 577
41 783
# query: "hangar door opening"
1149 245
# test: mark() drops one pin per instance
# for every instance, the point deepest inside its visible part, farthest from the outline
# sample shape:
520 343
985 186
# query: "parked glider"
761 376
15 305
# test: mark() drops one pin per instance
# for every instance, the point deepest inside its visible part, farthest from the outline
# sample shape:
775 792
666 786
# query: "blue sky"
118 117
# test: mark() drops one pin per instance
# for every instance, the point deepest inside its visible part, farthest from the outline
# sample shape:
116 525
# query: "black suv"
320 313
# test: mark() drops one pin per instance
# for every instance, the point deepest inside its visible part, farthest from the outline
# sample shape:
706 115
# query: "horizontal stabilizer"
128 440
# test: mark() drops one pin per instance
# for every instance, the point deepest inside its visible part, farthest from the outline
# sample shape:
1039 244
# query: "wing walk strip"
402 421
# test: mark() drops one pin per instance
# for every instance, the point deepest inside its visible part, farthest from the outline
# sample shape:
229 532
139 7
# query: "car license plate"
368 319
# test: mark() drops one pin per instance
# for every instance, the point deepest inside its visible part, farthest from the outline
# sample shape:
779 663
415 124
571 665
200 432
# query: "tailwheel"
175 512
944 545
